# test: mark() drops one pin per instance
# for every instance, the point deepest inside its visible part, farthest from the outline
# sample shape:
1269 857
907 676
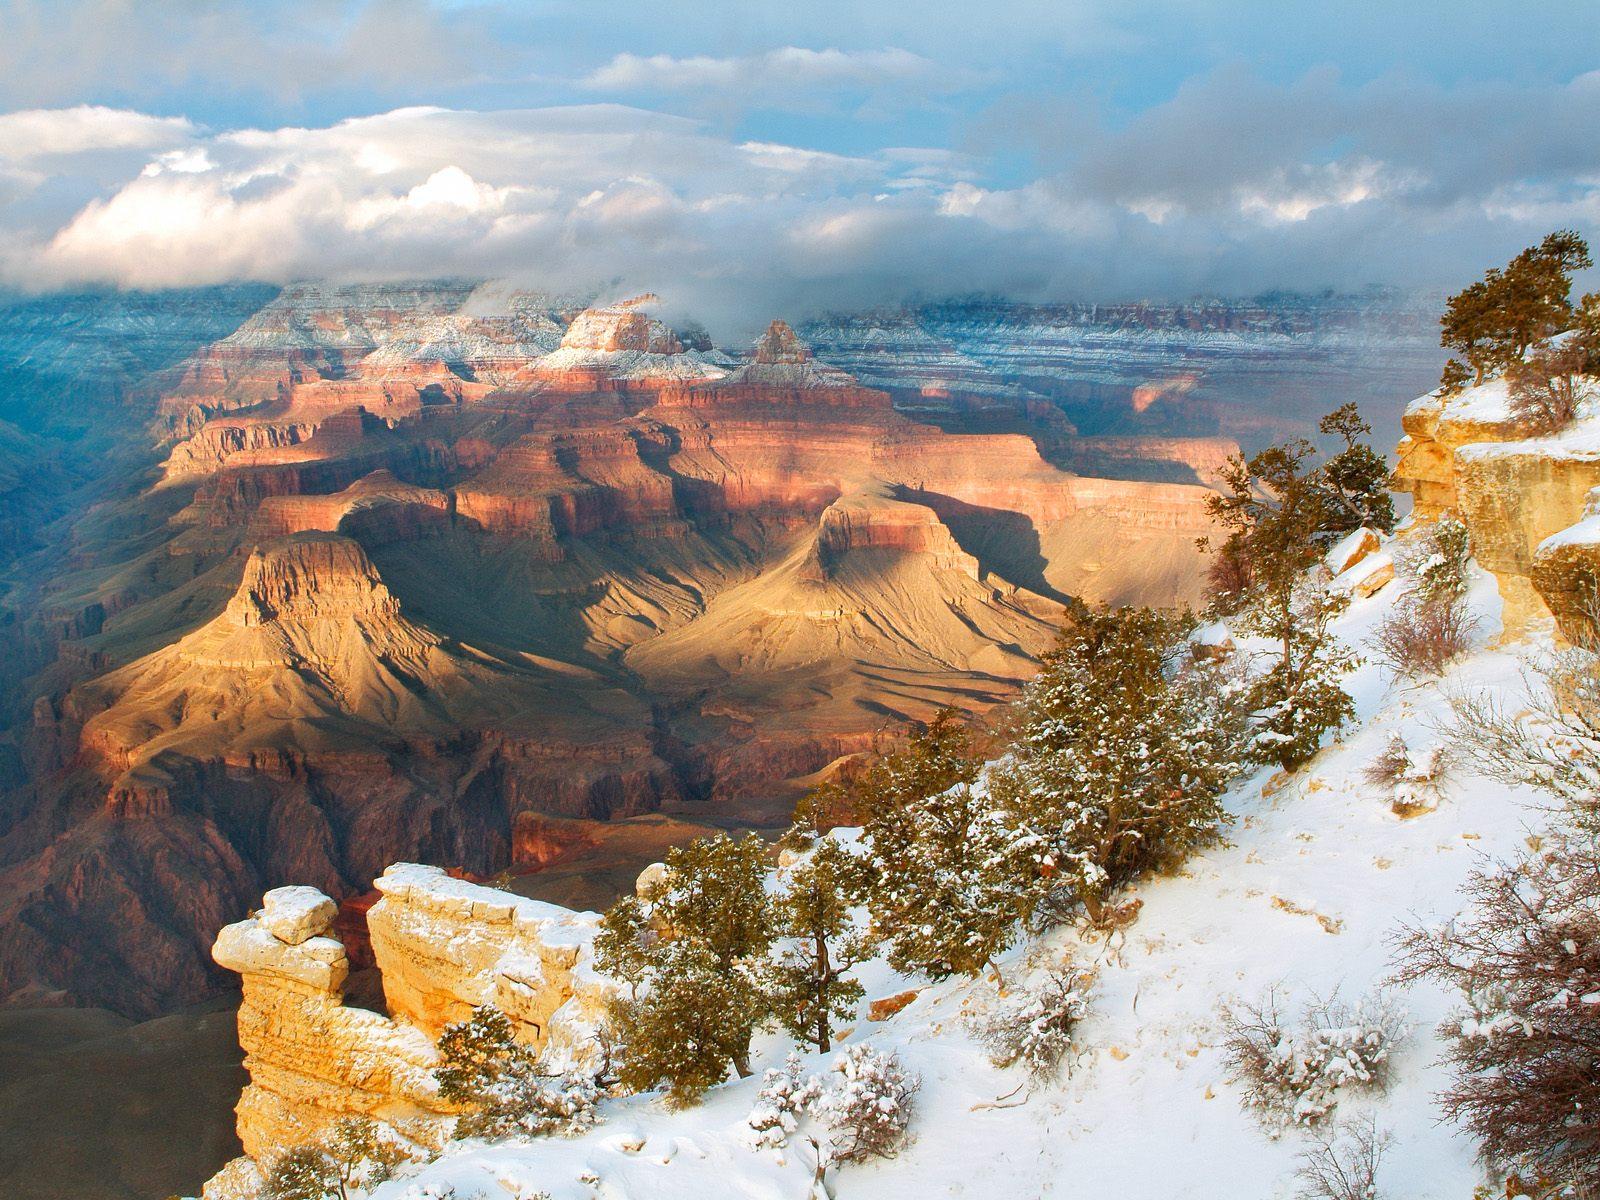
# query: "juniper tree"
1120 757
1491 324
704 932
304 1173
504 1084
351 1155
1281 508
811 985
1355 477
1300 697
951 878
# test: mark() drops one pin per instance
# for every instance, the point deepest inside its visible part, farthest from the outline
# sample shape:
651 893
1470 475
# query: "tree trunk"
824 974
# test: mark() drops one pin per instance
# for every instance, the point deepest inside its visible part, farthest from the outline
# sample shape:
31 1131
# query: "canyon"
456 573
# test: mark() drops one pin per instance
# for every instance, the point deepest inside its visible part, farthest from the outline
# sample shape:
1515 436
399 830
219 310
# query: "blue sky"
798 152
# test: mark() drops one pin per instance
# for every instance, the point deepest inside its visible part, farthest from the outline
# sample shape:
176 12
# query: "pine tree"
951 879
1491 324
694 1019
1356 477
1281 509
810 981
695 955
361 1153
1121 754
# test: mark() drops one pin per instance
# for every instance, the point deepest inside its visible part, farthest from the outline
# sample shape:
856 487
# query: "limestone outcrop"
443 946
1469 455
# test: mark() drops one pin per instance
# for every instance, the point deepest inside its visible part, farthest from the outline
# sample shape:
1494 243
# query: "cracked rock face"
444 947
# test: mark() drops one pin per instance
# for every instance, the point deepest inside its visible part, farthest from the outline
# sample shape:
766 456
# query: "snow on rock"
1352 548
1466 454
445 946
1368 574
293 914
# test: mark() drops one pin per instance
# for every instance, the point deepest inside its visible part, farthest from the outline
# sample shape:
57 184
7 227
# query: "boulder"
1352 548
294 914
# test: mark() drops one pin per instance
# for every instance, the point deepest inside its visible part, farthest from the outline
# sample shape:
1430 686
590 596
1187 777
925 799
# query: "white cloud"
787 73
51 132
602 194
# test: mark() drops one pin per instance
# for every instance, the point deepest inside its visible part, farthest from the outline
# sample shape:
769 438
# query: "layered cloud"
1232 185
787 76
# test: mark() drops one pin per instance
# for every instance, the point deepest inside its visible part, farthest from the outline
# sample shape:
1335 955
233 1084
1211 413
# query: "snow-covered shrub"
1410 780
1526 1050
1342 1162
1300 698
302 1173
860 1111
1554 745
1422 638
1390 766
505 1085
1547 387
787 1094
869 1105
1436 563
1294 1074
1033 1028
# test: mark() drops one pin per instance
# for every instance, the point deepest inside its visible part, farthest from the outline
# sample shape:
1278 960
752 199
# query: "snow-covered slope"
1318 875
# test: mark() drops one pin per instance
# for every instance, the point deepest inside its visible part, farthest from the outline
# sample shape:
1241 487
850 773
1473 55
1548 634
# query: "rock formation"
443 947
1515 492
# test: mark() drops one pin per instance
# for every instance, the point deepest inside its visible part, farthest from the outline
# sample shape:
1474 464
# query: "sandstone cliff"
443 947
1518 494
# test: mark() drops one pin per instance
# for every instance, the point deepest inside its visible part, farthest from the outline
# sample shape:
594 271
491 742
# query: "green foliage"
694 1019
1356 478
695 954
351 1154
1120 757
1491 324
810 984
1300 698
503 1083
952 879
1437 561
304 1173
1281 509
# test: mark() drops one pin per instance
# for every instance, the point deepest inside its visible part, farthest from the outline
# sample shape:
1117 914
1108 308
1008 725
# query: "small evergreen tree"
304 1173
951 877
1300 698
810 979
1281 509
1120 757
695 955
1356 477
504 1084
1491 324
